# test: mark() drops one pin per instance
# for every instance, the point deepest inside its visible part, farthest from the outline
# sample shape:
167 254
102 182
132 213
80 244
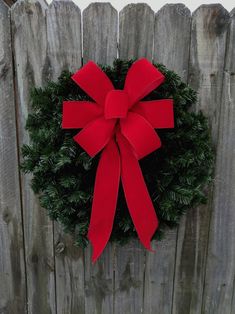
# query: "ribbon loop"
141 79
94 82
95 135
140 134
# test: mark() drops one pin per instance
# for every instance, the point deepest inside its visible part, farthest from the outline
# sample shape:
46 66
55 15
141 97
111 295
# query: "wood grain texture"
100 33
12 263
172 38
136 26
64 52
99 44
31 64
99 282
129 278
69 262
207 53
170 21
64 37
220 270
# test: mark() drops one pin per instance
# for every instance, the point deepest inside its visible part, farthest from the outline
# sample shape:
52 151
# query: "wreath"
63 174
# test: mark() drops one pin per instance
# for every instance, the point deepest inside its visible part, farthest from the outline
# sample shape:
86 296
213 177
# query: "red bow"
123 127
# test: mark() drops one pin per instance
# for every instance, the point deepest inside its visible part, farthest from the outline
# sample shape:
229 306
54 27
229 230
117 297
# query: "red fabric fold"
140 134
95 135
159 113
76 114
141 79
137 197
93 81
105 198
123 128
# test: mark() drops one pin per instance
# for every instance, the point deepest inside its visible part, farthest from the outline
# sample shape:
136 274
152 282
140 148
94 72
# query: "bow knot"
122 144
116 104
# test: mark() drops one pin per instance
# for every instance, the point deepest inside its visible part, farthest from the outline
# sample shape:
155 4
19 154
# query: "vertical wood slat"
100 45
64 37
100 33
64 52
31 64
173 23
207 53
12 267
170 21
136 26
220 270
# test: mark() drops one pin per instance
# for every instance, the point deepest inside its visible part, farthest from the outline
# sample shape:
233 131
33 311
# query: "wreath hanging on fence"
64 174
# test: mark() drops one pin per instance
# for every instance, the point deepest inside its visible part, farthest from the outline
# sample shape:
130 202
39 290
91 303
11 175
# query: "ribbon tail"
105 198
137 197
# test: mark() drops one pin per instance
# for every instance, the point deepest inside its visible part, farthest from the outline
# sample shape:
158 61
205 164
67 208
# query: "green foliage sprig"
63 174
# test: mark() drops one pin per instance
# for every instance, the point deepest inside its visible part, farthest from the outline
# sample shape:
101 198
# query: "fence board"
100 33
136 24
220 271
64 52
100 45
12 267
207 53
30 46
64 37
170 21
129 278
173 22
138 19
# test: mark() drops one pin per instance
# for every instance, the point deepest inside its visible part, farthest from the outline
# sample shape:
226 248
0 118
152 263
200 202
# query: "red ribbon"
122 127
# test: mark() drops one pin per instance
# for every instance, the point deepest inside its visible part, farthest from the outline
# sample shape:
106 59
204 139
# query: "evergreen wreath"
64 175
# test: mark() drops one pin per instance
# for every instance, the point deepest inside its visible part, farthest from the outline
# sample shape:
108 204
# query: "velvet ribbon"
122 126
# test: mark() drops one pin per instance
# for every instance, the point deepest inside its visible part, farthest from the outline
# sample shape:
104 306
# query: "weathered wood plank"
29 47
69 262
99 282
129 278
170 21
135 21
172 38
64 37
100 33
207 53
136 26
100 45
64 52
12 262
220 270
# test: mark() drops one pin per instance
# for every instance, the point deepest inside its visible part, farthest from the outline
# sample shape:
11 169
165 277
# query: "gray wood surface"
12 266
99 282
100 33
170 21
64 37
64 52
207 53
136 26
129 278
100 45
31 65
172 38
220 269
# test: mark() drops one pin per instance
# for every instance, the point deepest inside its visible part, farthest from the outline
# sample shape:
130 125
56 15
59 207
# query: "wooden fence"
193 269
